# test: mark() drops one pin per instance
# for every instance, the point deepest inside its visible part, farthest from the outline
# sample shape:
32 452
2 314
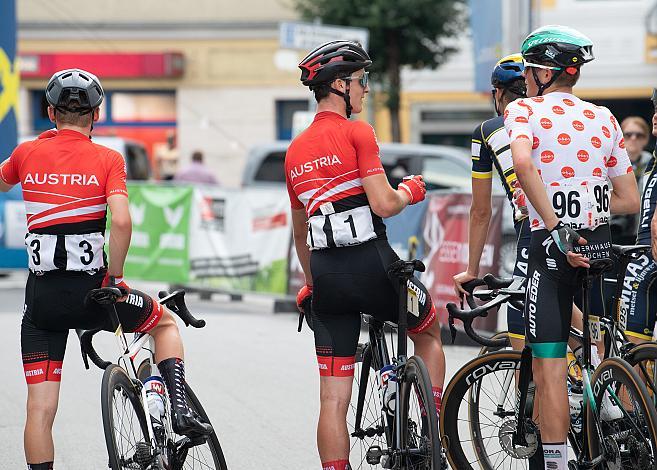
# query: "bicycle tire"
418 432
372 418
643 358
457 427
115 379
501 334
634 432
212 443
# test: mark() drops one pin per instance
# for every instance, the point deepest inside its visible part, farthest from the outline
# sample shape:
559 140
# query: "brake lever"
452 328
300 322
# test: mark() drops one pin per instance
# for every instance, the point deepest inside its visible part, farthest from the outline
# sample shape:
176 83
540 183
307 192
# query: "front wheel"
419 427
207 455
124 421
621 420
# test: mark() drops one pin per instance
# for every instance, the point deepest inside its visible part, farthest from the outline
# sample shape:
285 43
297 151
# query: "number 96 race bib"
580 203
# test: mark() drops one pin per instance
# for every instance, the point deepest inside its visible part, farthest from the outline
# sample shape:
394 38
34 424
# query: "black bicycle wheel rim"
197 457
643 358
372 416
124 420
419 419
460 433
634 433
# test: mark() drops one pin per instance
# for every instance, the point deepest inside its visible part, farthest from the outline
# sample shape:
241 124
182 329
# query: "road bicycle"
488 419
392 418
138 437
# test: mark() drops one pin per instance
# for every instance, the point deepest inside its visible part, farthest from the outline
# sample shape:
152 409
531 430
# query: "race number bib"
346 228
83 252
580 205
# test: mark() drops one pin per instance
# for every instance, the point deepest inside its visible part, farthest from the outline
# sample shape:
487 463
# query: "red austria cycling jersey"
324 168
576 147
66 180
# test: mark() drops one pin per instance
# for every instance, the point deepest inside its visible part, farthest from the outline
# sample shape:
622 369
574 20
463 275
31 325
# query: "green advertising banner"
160 234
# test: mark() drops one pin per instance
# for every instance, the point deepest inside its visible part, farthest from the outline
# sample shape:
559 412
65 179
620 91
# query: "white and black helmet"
74 86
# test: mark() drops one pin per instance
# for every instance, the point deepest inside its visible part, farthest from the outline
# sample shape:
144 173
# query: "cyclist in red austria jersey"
565 150
339 194
68 182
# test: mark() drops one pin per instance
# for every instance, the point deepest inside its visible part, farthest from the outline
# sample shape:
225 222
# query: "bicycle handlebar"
108 296
498 294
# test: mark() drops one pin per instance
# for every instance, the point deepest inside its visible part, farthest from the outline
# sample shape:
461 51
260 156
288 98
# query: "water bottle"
388 390
155 396
575 405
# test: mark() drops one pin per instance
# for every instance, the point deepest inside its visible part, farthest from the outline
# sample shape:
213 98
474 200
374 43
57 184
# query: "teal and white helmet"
560 45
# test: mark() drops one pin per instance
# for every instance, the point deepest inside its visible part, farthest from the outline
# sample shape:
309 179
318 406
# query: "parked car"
137 163
443 167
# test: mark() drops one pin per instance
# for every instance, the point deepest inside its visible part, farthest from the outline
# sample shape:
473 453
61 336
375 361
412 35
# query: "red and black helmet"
335 59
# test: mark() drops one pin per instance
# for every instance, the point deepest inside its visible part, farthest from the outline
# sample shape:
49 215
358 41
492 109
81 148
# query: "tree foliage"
402 33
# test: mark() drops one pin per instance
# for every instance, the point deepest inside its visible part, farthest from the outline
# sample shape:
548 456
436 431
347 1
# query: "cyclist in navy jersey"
639 292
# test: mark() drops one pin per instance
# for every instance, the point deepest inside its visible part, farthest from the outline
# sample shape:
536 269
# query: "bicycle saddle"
630 251
599 266
405 269
105 295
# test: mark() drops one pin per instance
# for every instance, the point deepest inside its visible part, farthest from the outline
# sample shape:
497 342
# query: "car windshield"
446 173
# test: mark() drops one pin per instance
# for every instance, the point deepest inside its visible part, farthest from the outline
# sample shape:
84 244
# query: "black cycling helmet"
335 59
332 60
74 85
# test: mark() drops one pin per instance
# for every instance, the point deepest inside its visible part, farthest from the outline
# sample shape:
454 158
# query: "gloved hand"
564 237
304 294
415 187
520 201
116 281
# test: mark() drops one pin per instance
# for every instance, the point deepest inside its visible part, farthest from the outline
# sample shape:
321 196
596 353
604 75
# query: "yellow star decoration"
9 77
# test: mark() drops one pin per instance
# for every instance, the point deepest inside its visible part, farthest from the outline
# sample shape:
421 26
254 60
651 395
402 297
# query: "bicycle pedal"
374 455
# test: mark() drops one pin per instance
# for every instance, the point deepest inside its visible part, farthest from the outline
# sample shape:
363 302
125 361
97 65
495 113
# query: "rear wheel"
621 424
124 421
419 427
371 433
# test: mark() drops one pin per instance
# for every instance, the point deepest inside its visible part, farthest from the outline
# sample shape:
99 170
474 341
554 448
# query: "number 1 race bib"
579 203
346 228
83 252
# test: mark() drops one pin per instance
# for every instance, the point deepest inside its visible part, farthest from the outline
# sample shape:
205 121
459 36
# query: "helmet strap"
344 95
544 86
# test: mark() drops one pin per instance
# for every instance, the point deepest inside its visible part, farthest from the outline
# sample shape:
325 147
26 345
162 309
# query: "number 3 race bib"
83 252
346 228
580 204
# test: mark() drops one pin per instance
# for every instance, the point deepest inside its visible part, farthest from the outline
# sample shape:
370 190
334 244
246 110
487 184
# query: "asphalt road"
255 375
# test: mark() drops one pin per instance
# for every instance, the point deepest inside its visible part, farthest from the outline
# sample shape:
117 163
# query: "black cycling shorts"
55 302
348 281
514 318
551 287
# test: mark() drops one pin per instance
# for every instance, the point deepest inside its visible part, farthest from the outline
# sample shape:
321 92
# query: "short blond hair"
639 121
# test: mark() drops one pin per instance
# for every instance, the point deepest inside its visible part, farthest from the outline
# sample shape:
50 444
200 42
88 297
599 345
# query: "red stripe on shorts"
152 320
330 366
35 372
428 321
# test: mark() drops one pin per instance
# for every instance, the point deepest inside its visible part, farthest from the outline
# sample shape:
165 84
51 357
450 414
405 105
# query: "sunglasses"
636 135
539 66
363 80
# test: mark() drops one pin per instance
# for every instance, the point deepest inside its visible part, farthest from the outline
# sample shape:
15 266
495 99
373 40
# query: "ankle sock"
40 466
437 398
173 375
555 456
336 465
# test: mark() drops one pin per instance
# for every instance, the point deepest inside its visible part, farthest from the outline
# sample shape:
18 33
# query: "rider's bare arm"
531 182
300 231
624 195
480 215
384 200
120 233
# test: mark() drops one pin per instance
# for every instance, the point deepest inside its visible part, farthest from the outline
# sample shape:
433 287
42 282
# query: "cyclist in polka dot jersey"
565 152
